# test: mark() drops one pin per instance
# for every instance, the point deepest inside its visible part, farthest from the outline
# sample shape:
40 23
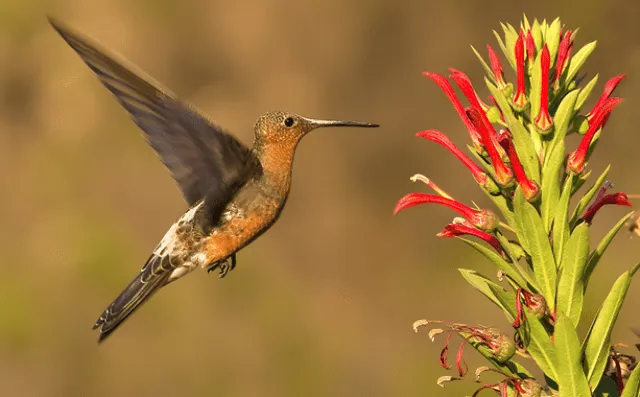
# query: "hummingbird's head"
284 127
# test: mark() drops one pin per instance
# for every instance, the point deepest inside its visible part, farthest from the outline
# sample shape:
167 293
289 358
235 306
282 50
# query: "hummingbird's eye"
288 121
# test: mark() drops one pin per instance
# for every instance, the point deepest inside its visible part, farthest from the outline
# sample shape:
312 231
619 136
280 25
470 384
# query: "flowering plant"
539 244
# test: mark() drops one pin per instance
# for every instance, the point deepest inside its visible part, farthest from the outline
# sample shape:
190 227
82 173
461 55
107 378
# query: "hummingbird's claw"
225 266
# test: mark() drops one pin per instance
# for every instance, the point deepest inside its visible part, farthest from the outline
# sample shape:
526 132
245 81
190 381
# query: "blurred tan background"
322 305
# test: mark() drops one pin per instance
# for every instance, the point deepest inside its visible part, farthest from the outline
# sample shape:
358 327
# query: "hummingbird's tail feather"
152 277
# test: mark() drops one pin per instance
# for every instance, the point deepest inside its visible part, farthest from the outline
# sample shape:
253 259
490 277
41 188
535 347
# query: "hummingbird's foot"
225 266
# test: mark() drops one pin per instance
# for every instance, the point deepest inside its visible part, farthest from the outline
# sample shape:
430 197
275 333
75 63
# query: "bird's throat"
277 162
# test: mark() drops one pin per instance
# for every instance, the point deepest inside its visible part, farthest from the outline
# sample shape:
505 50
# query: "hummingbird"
234 193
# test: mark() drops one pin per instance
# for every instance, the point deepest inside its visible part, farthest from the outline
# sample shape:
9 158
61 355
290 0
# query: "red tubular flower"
564 50
461 365
531 47
457 229
444 354
440 138
498 71
543 119
482 219
488 134
535 302
529 187
501 345
608 90
616 198
444 84
577 158
463 81
520 97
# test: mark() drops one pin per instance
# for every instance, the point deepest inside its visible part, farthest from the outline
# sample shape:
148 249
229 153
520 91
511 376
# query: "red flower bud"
488 134
529 187
609 87
520 97
543 119
564 51
498 71
531 47
577 158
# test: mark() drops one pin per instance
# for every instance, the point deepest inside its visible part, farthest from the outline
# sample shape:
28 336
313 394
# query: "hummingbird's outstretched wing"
206 161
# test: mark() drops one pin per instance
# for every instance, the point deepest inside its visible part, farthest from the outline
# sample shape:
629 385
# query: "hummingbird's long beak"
338 123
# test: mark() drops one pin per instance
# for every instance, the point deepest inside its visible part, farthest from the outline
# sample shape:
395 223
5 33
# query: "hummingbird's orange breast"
244 226
255 207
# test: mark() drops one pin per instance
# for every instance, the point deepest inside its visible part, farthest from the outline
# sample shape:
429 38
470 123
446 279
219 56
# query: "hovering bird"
234 193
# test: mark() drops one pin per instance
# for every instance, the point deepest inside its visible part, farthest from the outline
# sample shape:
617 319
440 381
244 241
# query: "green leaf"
570 285
486 67
595 256
503 205
571 378
584 93
563 116
500 263
536 138
516 249
632 388
482 284
536 32
553 39
512 249
578 60
596 346
507 300
551 172
607 388
531 230
539 346
515 252
521 138
510 38
561 229
586 199
504 49
525 23
577 185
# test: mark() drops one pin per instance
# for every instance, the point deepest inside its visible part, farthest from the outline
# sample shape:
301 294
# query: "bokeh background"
323 304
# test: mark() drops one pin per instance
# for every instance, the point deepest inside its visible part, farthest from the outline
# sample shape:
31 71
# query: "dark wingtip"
64 30
57 24
103 333
98 323
103 336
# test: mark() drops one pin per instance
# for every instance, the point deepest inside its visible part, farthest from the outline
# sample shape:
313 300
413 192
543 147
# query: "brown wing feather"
206 161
